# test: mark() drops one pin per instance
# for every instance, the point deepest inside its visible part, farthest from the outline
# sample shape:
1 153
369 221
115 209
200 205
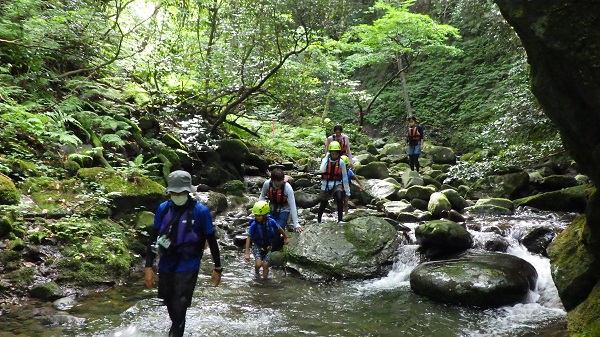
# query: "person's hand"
286 240
149 277
299 229
216 277
247 256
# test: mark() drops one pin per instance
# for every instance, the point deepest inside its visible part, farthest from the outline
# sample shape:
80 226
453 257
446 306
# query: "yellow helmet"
335 146
261 208
346 160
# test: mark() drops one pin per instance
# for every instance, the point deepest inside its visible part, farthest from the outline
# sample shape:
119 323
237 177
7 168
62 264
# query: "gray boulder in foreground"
357 249
478 279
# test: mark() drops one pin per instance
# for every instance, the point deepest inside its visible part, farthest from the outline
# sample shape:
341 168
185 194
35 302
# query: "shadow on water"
286 305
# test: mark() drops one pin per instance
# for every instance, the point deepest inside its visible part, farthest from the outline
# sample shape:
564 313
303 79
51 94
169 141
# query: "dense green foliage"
81 74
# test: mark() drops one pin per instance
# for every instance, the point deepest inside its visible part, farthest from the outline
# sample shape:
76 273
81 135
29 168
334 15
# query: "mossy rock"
63 197
572 199
584 320
233 187
234 151
500 202
9 194
144 220
126 196
574 264
46 291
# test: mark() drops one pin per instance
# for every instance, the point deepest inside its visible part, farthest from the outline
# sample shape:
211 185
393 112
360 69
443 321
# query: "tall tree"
397 38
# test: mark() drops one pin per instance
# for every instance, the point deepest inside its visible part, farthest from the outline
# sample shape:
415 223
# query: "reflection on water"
287 305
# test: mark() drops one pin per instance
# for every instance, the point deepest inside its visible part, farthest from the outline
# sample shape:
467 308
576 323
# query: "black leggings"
177 289
413 161
338 196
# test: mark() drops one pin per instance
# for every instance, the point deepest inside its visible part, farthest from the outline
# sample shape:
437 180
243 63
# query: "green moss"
368 235
97 259
584 321
23 276
9 195
10 259
112 182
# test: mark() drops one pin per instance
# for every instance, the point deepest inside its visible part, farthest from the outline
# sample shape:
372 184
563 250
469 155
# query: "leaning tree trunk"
404 89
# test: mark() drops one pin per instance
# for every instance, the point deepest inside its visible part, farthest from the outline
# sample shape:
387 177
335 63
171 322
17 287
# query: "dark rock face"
562 41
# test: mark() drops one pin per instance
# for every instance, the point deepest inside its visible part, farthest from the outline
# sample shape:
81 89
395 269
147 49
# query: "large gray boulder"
380 189
441 155
412 178
483 279
357 249
373 170
306 199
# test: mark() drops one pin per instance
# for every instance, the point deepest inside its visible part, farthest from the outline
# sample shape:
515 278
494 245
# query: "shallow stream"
288 305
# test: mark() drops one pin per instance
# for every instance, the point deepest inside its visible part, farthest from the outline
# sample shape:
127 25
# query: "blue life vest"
178 227
265 233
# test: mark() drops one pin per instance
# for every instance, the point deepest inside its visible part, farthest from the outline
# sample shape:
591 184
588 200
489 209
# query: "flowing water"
288 305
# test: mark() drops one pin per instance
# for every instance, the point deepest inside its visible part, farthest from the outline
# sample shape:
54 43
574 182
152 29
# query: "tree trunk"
404 88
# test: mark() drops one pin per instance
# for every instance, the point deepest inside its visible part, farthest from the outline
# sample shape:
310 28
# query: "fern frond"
113 139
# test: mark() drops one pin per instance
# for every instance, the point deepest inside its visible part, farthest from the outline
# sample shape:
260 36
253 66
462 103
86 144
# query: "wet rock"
452 215
576 270
456 200
412 178
500 202
373 170
306 199
538 239
483 279
64 303
489 209
508 186
496 244
394 208
419 192
572 199
380 189
441 155
46 291
357 249
442 237
419 204
438 203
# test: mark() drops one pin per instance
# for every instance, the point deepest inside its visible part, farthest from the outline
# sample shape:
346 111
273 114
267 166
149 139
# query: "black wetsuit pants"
338 196
177 289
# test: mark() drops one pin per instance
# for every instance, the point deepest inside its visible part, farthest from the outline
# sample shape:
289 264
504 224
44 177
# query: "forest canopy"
79 72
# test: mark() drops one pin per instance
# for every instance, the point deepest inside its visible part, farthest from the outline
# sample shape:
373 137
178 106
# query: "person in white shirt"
334 180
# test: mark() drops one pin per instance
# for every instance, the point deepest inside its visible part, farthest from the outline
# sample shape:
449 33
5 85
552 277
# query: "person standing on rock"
343 140
261 234
334 180
282 203
415 139
182 227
